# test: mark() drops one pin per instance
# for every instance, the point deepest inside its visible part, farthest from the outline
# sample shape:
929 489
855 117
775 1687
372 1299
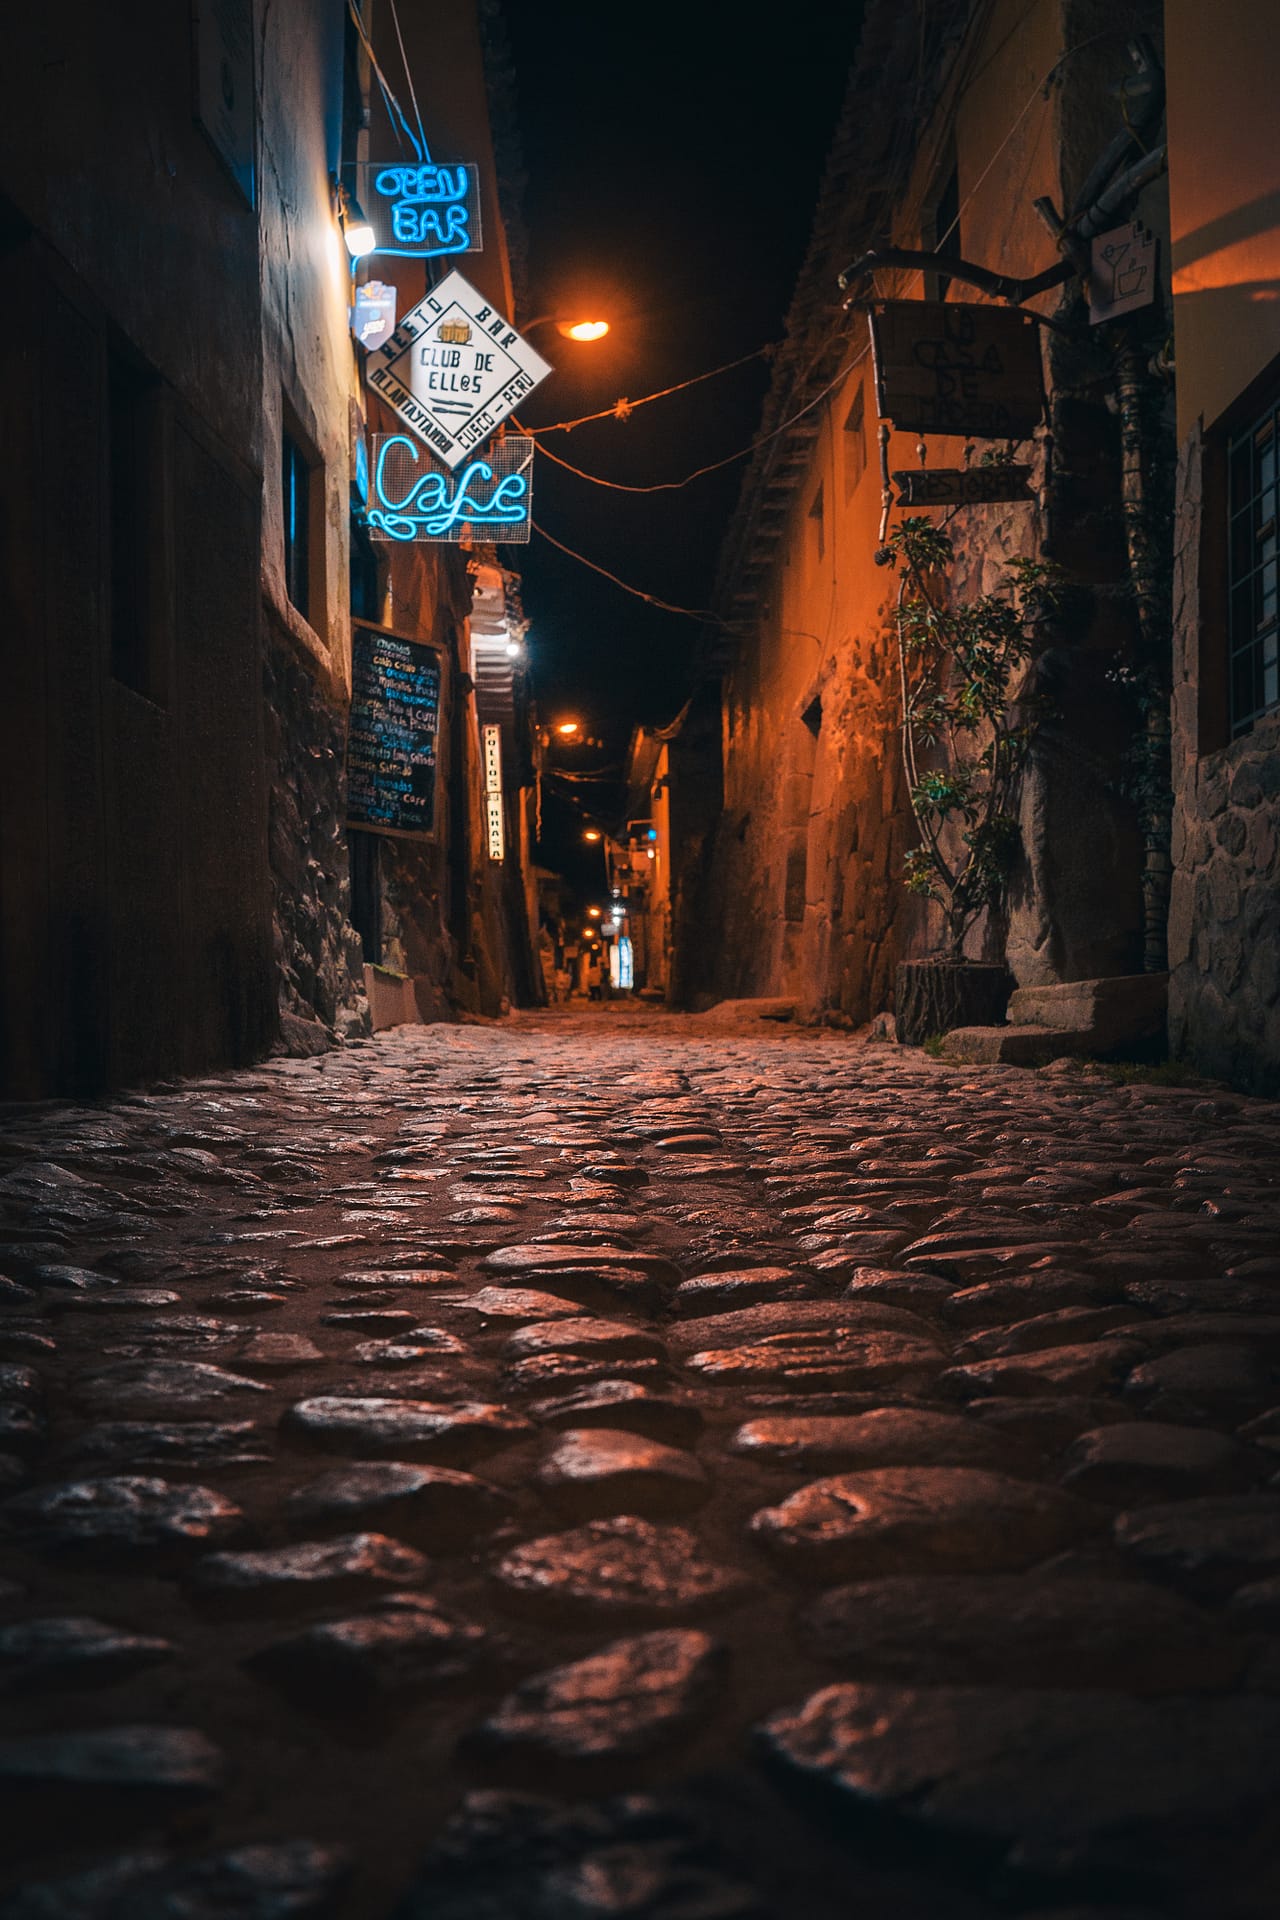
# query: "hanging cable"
404 61
395 112
623 409
651 599
674 486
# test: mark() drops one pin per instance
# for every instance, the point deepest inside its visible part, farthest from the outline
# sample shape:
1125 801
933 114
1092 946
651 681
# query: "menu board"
391 744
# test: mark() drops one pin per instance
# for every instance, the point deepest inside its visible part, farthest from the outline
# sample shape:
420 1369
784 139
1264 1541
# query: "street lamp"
568 729
568 328
592 833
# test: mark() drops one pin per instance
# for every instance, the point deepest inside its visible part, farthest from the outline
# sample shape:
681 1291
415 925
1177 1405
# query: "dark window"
135 536
366 893
296 500
1252 563
945 234
818 516
366 577
855 443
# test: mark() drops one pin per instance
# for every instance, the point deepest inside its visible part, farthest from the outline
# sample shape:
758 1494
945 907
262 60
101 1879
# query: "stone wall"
1224 921
319 970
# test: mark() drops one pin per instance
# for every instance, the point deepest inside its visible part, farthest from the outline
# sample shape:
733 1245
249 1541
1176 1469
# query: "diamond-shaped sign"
454 369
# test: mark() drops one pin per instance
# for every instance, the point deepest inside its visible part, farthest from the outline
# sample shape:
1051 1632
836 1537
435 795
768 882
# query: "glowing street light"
582 329
592 833
567 729
593 913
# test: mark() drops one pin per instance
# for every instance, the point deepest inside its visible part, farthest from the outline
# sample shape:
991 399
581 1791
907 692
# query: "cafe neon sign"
413 498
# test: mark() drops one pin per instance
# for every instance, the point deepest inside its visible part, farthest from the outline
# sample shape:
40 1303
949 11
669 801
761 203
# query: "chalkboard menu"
391 745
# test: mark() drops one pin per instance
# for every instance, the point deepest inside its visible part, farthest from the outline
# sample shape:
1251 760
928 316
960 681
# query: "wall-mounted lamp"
357 232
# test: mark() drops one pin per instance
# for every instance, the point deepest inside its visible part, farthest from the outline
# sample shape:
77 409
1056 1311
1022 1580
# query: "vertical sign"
493 791
224 85
391 745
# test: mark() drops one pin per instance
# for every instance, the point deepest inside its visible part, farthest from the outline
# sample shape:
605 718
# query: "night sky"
674 154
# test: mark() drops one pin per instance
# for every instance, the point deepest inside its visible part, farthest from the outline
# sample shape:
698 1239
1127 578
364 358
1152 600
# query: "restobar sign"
454 369
391 743
412 497
944 366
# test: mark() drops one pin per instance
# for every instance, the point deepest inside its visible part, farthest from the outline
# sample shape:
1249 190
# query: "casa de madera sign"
454 369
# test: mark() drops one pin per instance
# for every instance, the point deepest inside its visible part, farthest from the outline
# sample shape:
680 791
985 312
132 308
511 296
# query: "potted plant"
967 726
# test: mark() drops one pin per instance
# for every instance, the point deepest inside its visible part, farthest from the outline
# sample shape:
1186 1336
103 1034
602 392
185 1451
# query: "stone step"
1020 1046
1128 1010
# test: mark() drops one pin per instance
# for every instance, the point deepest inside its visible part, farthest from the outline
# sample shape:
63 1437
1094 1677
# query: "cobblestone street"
612 1464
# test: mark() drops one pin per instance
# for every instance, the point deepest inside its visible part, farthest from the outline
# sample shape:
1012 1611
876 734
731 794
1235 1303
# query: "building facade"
1014 111
1224 185
185 414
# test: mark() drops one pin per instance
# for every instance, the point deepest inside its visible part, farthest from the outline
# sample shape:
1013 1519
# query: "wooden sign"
943 366
962 486
391 742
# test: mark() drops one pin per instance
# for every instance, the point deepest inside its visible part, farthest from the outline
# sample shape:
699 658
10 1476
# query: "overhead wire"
395 112
652 599
404 61
621 409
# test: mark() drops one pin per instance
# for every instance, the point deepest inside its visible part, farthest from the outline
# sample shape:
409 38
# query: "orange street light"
592 833
567 327
567 728
582 329
593 913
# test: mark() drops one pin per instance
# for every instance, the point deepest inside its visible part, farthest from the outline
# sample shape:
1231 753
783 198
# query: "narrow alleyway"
869 1462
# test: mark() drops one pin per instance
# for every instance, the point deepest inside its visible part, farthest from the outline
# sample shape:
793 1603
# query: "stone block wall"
1224 921
318 962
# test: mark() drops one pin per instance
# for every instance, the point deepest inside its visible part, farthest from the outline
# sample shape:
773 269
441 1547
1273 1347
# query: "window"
855 442
295 495
942 231
818 516
1253 632
135 531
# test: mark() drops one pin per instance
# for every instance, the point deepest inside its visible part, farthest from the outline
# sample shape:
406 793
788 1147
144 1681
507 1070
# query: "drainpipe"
1144 572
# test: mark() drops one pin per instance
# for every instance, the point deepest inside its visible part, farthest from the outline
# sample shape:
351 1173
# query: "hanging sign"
391 742
454 369
944 366
373 314
412 497
420 210
962 486
1122 271
493 792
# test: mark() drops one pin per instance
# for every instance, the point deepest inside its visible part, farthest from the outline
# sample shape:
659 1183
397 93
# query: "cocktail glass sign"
420 210
454 369
412 497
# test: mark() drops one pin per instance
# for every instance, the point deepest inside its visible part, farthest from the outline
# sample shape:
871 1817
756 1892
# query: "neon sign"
412 498
433 209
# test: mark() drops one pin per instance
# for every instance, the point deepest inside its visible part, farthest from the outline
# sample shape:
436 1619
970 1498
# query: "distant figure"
595 979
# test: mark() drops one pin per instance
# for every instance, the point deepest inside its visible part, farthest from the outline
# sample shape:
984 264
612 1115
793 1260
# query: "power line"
395 112
651 599
623 409
714 466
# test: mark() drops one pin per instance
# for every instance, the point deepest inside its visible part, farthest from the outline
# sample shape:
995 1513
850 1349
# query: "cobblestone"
916 1424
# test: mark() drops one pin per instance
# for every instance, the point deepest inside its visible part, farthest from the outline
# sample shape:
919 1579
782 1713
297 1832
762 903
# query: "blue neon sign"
433 209
412 498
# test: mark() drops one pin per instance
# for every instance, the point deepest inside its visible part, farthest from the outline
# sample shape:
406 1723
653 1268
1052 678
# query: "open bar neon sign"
412 497
432 210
